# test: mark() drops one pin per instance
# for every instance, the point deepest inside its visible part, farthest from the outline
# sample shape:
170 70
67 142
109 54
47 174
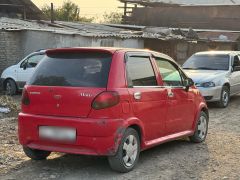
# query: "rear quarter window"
85 69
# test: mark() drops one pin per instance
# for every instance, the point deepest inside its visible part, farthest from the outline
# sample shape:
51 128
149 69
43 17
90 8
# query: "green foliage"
112 18
69 11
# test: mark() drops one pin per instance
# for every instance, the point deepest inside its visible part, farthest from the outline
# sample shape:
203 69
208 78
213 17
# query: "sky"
201 1
87 7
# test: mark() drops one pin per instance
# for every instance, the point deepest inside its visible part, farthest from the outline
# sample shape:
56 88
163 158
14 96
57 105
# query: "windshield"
73 69
207 62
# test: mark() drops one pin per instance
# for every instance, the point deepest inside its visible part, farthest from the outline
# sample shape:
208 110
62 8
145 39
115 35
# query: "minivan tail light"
25 97
105 100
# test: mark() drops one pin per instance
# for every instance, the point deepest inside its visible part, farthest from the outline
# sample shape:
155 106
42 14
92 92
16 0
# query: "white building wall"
35 40
126 43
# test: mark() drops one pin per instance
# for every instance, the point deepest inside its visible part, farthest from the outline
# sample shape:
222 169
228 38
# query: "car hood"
8 70
200 76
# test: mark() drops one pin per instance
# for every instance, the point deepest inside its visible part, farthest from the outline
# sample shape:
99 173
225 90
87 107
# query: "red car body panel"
158 117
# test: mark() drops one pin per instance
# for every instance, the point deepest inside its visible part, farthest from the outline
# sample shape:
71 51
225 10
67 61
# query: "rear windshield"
85 69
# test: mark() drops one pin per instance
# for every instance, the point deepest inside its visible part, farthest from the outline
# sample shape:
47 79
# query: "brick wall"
10 49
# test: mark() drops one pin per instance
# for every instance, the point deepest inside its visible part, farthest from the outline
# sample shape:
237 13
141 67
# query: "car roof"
41 50
218 53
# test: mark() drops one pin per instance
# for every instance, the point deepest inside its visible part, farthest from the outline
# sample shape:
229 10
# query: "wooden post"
125 8
52 13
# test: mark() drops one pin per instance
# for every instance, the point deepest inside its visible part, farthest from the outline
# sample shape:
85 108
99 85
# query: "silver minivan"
216 74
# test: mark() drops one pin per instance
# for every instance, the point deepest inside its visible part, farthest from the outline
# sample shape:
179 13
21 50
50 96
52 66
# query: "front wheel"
10 87
225 97
36 154
201 130
128 152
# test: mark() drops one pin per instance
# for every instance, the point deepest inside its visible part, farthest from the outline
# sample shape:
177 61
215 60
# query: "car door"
26 69
180 113
235 76
148 99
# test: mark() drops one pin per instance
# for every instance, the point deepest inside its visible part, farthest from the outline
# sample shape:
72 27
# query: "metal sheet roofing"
219 36
118 31
83 29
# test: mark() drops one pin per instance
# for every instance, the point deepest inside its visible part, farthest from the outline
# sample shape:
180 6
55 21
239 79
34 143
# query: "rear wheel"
225 97
201 130
10 87
36 154
128 152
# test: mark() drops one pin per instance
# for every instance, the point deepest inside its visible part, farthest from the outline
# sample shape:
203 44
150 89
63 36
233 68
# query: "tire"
36 154
130 142
201 129
225 97
10 87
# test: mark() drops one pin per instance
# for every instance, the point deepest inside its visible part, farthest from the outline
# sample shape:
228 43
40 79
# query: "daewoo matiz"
108 102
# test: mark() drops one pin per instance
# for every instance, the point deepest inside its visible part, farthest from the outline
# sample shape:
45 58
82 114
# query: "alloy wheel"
225 98
130 150
202 127
8 88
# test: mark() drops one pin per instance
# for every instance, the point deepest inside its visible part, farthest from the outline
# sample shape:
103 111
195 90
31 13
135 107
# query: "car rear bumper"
211 94
94 136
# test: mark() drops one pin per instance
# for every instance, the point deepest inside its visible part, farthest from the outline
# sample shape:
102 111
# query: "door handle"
137 95
170 93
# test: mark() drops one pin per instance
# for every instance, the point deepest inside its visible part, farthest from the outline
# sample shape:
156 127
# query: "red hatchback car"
108 102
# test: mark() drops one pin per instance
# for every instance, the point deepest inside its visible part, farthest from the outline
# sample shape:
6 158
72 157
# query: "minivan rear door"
65 83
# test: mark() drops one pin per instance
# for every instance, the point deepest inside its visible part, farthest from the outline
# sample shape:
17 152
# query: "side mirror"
236 68
188 83
24 66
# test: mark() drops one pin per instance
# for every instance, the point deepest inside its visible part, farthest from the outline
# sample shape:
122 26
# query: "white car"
15 77
216 74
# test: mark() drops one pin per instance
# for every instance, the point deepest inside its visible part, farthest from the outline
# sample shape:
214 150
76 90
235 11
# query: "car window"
169 73
236 61
32 61
140 72
80 69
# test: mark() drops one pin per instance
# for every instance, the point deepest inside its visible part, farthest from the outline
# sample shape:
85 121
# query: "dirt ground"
217 158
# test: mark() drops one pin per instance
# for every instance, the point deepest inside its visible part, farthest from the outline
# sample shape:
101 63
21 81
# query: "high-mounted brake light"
105 100
25 97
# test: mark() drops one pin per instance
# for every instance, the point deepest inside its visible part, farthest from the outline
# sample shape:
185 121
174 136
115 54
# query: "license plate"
57 133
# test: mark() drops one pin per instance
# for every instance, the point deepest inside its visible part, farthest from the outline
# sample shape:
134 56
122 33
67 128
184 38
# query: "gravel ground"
217 158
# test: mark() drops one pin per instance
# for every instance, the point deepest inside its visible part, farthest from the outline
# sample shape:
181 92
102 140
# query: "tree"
69 11
112 18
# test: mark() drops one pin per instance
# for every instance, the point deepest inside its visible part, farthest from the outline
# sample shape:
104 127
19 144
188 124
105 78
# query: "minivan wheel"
201 130
128 152
225 97
36 154
10 87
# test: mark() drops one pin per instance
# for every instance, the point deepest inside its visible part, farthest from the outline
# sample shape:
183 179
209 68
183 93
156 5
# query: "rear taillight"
105 100
25 97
